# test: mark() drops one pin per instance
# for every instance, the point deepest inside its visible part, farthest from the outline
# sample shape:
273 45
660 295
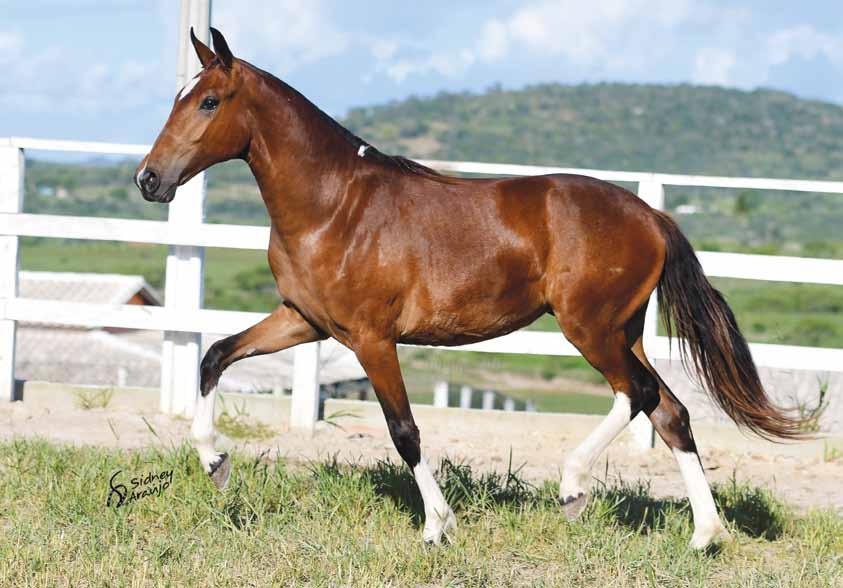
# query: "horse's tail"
709 334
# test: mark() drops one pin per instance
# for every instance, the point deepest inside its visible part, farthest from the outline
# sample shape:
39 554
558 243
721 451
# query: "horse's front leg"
380 360
282 329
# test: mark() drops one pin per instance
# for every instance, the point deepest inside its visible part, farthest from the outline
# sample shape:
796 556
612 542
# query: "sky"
105 70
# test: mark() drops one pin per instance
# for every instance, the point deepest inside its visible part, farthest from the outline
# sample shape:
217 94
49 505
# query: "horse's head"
207 124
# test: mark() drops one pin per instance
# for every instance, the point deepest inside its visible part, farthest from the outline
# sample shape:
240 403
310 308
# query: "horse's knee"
405 436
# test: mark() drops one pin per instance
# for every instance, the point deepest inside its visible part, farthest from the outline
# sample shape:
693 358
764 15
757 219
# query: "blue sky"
97 70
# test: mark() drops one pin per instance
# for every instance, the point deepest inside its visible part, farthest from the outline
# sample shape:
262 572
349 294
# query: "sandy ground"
801 476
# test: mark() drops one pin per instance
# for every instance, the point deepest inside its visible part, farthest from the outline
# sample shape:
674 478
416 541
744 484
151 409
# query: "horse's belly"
469 323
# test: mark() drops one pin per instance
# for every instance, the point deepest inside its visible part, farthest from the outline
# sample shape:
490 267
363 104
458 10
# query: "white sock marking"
189 86
202 429
706 520
580 461
438 516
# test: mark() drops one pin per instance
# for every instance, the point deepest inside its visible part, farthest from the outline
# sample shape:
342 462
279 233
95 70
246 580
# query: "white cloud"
714 66
50 80
598 32
11 44
494 41
805 42
288 33
383 50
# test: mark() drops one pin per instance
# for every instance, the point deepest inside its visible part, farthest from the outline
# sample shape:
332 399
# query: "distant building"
122 357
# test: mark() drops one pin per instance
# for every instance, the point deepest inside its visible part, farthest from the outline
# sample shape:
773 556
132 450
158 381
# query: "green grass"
235 423
331 524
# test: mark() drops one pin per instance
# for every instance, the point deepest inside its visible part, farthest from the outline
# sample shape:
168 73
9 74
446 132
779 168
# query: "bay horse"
375 250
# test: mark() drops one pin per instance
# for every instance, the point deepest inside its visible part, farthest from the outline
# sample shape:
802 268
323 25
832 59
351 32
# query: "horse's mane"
399 162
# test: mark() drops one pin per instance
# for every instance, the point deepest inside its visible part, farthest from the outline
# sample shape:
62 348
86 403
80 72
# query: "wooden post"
11 200
651 192
181 352
304 406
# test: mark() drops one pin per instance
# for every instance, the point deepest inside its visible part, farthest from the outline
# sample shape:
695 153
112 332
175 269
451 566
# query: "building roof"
90 288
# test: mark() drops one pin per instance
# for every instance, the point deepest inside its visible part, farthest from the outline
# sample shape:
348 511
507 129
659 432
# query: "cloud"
714 66
11 43
604 32
805 42
721 65
493 43
50 80
285 34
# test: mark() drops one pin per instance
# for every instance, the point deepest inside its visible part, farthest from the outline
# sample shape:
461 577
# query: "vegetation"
333 524
235 422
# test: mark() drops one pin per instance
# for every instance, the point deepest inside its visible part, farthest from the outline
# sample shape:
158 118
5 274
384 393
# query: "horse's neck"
301 163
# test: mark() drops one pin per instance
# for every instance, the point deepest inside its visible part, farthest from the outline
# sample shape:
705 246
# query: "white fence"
183 318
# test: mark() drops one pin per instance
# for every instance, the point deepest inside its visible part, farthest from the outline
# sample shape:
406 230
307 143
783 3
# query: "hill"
679 129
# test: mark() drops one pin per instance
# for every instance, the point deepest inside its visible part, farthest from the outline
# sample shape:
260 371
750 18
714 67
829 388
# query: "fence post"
11 200
304 406
652 192
181 352
488 399
465 396
440 395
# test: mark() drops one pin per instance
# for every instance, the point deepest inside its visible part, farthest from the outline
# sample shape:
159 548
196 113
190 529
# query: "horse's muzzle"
150 185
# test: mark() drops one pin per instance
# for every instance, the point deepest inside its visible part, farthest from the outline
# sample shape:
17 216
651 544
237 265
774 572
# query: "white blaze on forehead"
189 86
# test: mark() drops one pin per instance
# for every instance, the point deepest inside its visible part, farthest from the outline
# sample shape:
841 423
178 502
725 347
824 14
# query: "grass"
235 423
333 524
95 398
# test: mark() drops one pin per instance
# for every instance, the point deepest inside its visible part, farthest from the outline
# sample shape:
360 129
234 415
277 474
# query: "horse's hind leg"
608 351
284 328
670 418
380 360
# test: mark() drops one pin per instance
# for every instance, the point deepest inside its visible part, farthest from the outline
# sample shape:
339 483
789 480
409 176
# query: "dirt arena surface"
805 475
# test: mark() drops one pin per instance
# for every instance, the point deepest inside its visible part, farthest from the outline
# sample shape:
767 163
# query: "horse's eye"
209 103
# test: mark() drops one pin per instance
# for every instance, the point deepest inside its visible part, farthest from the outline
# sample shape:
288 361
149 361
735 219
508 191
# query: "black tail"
709 334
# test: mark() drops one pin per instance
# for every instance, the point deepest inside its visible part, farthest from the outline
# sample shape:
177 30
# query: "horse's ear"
202 50
221 47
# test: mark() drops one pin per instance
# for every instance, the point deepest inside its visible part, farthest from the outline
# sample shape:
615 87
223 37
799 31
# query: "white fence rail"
185 232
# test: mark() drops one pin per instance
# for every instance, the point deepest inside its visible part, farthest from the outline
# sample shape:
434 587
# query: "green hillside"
679 129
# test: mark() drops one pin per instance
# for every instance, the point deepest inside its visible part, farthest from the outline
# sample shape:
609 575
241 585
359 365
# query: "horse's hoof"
573 506
432 535
706 536
221 471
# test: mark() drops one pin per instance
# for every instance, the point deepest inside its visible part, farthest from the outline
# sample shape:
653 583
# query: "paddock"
806 475
183 320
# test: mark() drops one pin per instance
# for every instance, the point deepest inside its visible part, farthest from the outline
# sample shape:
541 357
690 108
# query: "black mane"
404 164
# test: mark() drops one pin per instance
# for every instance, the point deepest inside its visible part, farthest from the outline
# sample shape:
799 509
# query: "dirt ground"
810 476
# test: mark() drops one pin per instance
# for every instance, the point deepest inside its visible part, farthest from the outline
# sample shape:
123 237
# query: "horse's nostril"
149 181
